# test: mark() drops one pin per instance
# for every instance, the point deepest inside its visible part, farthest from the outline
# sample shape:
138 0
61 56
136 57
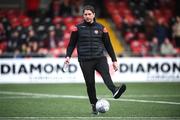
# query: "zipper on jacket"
91 40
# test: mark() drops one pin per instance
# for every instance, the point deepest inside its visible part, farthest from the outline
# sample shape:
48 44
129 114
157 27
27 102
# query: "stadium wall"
49 70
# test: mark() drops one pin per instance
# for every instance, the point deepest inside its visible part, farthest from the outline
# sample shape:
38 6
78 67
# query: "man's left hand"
115 66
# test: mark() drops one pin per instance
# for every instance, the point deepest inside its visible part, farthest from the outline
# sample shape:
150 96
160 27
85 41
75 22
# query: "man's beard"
89 20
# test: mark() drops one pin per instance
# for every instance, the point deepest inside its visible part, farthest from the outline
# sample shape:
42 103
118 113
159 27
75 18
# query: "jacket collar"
89 24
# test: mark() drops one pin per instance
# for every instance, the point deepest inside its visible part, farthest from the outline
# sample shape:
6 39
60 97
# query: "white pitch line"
42 95
39 95
151 96
145 101
66 96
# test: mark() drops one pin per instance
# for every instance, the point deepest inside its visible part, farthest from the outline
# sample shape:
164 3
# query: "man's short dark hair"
89 7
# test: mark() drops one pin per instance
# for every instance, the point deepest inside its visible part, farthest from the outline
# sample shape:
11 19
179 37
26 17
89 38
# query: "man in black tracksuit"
92 39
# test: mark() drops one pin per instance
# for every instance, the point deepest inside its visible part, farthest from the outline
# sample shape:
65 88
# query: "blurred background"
34 35
41 28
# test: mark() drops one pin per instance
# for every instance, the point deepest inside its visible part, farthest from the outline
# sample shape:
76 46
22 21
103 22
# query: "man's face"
88 16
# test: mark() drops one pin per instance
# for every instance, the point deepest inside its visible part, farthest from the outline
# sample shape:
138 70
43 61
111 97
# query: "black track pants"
88 68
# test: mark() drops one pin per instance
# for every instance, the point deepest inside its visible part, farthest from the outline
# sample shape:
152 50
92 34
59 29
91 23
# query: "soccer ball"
102 106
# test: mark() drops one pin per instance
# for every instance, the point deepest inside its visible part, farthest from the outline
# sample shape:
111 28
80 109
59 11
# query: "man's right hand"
66 64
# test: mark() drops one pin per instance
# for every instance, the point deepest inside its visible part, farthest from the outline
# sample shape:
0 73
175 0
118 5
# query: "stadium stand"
148 19
31 33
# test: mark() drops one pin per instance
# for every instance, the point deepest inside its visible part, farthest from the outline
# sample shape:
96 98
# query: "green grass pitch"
141 101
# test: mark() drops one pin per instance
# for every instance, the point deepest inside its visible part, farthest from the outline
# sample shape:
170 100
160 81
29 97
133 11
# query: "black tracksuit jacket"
91 40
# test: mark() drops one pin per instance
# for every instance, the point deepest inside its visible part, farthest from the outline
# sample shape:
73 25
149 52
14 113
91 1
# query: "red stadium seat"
57 20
